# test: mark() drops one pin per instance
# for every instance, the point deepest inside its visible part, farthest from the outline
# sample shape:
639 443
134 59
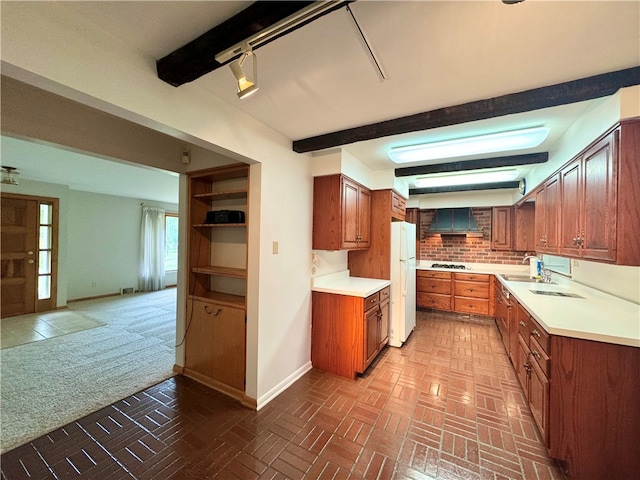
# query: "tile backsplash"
463 249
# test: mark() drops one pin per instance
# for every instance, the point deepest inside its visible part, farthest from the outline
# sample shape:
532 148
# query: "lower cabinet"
594 417
471 293
433 290
457 292
215 345
347 333
533 369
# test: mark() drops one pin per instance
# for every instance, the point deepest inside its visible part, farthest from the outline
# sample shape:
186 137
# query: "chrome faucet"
546 273
531 258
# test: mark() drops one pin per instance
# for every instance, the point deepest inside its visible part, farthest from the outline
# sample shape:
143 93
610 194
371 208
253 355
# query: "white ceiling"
318 79
44 163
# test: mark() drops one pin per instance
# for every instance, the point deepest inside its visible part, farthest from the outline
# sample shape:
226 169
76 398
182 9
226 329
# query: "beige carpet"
49 383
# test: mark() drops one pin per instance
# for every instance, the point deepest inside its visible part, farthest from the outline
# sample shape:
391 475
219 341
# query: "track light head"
246 84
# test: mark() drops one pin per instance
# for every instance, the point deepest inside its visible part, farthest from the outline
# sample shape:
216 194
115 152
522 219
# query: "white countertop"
598 316
341 283
490 268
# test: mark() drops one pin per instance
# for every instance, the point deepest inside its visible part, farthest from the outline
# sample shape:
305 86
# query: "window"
170 242
45 250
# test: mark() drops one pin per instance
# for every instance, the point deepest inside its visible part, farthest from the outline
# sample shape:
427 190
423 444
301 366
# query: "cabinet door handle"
218 311
522 324
535 353
535 332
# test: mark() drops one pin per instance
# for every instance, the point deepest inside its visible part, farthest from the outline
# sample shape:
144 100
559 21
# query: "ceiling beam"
495 162
464 188
197 58
564 93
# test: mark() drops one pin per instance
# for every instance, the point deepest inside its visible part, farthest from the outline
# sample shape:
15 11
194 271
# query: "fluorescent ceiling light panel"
491 143
466 179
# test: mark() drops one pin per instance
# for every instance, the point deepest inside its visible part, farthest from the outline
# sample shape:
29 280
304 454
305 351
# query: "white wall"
104 243
125 84
98 239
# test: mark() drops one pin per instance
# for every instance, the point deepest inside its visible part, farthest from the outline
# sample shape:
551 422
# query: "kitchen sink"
524 278
556 294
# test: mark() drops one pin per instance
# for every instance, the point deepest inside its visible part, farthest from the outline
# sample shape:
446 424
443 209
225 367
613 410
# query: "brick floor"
445 406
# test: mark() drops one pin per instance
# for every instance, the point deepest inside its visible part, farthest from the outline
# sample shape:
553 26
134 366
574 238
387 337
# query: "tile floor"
446 406
23 329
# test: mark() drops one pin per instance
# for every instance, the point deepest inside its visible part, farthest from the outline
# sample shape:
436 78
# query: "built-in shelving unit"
215 342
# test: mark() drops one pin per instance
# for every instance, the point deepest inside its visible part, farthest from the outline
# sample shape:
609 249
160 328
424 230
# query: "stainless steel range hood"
454 221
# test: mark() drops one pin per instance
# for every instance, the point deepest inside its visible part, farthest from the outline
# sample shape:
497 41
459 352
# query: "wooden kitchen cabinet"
547 199
341 214
512 228
376 326
347 332
502 228
375 262
502 312
434 290
594 422
597 207
532 369
588 202
449 291
214 344
471 293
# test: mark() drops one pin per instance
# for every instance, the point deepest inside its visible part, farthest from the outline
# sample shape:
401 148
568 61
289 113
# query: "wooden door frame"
52 302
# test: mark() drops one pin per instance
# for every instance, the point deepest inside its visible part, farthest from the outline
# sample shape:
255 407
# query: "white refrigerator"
403 282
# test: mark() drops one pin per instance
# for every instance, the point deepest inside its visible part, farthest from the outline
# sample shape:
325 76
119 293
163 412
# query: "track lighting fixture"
246 85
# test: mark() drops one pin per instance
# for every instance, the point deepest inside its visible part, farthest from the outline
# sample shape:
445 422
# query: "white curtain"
152 250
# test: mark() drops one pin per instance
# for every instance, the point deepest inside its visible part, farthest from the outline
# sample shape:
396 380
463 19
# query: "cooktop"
448 265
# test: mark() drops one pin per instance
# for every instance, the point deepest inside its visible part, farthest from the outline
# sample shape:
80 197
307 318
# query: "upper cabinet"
589 209
588 203
501 228
375 262
341 214
512 228
546 215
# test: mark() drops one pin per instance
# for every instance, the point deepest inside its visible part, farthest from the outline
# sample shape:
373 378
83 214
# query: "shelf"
222 271
236 301
222 195
218 225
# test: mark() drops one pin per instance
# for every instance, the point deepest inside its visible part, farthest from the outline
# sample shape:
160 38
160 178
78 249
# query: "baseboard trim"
283 385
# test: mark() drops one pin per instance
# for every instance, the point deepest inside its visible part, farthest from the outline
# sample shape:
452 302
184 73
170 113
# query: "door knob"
30 252
30 260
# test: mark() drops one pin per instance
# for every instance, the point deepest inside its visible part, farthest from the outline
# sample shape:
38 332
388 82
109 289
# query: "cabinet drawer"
540 356
433 285
541 337
472 289
385 294
472 277
471 305
371 301
433 274
524 326
433 300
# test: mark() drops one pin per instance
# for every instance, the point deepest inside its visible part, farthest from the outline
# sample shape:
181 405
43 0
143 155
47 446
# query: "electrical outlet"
275 248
